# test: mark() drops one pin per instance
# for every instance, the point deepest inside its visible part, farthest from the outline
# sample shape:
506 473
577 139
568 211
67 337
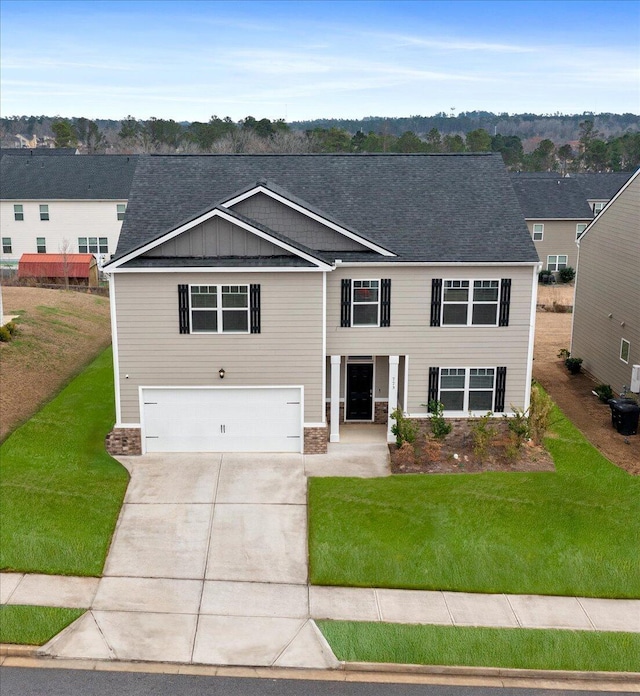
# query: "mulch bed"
454 454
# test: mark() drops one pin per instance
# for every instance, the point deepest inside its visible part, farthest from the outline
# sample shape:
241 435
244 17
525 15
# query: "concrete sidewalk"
208 565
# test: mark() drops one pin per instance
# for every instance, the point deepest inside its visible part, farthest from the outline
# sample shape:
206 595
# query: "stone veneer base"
124 442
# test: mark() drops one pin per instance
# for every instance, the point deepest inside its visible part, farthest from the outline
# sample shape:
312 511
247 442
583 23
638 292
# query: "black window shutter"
434 385
436 301
505 301
385 302
345 306
254 304
501 383
183 308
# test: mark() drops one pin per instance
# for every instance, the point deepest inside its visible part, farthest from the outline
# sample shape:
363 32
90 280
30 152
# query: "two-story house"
261 301
557 213
606 315
73 204
600 187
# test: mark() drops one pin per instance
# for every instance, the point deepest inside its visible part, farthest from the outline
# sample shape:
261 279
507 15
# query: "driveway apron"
208 564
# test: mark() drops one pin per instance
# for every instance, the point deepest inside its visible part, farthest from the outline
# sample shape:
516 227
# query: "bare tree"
65 250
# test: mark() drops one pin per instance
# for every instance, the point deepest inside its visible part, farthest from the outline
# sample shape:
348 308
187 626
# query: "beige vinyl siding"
608 283
410 333
152 352
559 238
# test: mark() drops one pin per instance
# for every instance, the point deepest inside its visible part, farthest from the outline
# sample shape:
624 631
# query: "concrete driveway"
208 564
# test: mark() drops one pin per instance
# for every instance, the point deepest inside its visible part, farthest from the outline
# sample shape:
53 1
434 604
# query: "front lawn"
60 491
573 532
28 625
483 647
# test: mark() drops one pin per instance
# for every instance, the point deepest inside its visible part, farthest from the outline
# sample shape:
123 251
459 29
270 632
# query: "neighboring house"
76 269
600 187
556 212
261 301
46 151
606 315
72 204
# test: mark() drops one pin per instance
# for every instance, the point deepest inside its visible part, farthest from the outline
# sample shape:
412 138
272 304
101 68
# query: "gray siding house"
606 318
557 213
259 302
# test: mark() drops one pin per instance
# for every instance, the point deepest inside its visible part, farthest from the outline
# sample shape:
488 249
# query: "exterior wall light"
221 373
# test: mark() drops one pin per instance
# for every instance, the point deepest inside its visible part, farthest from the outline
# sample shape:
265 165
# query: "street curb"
500 672
376 670
14 650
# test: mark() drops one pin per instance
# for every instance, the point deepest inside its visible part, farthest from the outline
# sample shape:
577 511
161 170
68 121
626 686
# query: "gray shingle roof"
429 208
46 151
602 185
547 197
81 177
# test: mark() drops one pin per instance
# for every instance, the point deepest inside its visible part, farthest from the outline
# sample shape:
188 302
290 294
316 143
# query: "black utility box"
624 415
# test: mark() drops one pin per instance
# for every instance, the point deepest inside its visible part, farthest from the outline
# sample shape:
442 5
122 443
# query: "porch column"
334 436
394 361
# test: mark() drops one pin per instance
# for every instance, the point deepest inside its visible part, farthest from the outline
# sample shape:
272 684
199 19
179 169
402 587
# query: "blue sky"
303 60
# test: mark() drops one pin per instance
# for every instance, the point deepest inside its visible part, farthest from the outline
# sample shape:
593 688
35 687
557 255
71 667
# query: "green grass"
28 625
572 532
60 491
483 647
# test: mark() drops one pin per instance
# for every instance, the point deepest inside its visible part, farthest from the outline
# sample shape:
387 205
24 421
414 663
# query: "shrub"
431 450
567 274
604 392
5 334
439 426
543 276
12 328
403 429
563 353
573 365
405 456
482 434
539 413
518 425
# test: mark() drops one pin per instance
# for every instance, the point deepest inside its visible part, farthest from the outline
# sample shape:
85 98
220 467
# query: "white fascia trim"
532 331
324 349
66 200
606 207
114 344
129 426
222 269
304 211
207 216
576 219
314 425
454 264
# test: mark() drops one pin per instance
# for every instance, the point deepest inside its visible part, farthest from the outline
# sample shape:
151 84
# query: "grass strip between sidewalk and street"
483 647
29 625
572 532
60 491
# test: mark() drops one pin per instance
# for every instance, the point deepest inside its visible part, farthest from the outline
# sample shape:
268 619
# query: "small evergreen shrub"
604 392
439 426
403 429
12 328
482 434
567 274
539 413
5 334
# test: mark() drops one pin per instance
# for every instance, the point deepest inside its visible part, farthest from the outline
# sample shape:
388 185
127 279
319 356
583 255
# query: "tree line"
591 151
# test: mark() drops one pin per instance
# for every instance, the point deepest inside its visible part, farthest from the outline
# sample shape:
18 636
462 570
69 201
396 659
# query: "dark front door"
359 391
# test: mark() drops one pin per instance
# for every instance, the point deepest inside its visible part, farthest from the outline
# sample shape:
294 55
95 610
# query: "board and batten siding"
559 237
608 291
152 352
410 332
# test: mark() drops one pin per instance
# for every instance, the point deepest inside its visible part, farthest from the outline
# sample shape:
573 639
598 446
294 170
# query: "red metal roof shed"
77 266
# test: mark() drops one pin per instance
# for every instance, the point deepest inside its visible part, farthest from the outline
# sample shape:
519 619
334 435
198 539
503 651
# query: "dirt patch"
60 332
573 394
457 453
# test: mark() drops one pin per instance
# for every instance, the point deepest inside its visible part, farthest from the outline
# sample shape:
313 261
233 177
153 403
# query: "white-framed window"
18 212
580 228
219 308
597 207
365 303
538 232
121 209
93 245
625 348
465 389
44 212
556 262
41 245
470 302
7 247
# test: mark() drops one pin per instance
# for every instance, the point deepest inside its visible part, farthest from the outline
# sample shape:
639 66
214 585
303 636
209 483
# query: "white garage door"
254 419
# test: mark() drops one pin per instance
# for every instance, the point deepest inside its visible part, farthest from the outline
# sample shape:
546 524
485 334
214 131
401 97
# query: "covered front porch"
362 392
